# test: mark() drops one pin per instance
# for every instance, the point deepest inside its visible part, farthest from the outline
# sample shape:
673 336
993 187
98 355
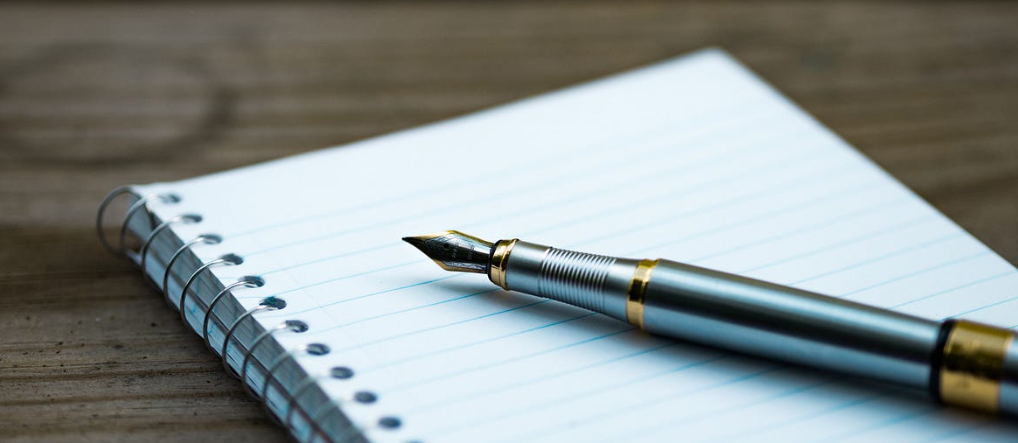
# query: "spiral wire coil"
247 358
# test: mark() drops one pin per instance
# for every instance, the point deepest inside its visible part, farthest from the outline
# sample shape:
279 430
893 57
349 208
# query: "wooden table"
96 96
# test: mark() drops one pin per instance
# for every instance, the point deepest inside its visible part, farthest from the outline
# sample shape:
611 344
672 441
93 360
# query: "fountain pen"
958 362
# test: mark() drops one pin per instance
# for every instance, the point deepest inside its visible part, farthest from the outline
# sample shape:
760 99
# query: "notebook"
348 334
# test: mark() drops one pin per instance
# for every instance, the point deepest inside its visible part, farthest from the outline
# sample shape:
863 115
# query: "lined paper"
694 160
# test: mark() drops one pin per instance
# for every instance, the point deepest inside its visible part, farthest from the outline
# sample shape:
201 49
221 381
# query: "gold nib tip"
454 250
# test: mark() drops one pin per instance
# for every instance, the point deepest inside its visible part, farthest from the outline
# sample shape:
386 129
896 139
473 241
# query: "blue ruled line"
953 433
464 203
539 406
886 423
767 215
519 212
826 411
358 274
739 176
480 342
424 306
522 211
432 328
543 378
882 257
788 186
998 303
644 431
843 243
825 223
641 135
342 255
920 272
721 205
947 291
508 360
647 403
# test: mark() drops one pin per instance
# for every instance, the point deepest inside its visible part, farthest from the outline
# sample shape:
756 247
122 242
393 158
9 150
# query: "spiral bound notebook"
294 272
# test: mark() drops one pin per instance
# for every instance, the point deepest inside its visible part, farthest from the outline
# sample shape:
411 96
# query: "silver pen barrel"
959 362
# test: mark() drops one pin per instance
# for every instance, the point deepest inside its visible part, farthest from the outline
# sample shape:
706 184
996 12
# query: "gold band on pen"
499 258
637 290
973 365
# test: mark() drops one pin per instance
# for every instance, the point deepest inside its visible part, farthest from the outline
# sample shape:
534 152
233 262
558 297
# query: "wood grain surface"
94 96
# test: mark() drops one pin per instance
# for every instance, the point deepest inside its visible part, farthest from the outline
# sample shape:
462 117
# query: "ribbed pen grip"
576 278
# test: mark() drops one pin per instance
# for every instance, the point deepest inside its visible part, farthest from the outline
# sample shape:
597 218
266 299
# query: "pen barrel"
789 324
959 362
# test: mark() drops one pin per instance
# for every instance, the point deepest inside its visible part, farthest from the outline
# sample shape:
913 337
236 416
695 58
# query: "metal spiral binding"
227 259
143 252
383 422
338 373
387 422
205 239
271 303
249 281
141 203
351 431
316 418
295 326
267 304
316 349
291 404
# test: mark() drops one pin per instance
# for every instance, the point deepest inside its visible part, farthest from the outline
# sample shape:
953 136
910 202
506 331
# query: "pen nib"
454 250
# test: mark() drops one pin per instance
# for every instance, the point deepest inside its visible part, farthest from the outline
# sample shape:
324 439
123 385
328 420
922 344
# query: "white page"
693 160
